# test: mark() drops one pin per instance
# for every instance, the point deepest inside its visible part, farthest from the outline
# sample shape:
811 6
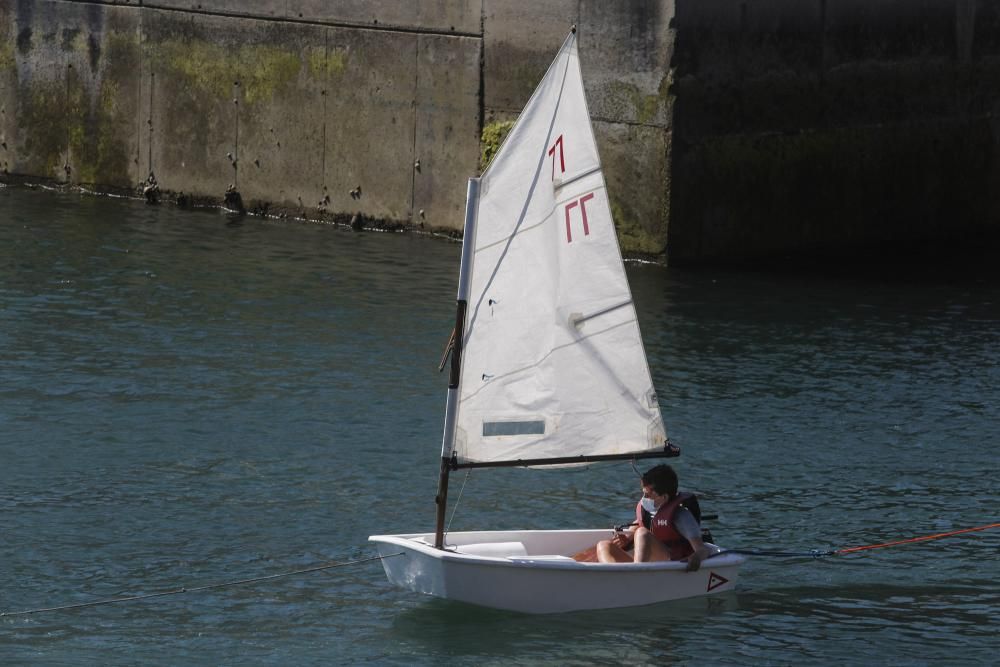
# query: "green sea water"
188 398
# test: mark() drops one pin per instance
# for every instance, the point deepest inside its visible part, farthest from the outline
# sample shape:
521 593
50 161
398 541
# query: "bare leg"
648 548
609 552
588 555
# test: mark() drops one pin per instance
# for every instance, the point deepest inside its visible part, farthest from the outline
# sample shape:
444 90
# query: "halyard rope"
195 589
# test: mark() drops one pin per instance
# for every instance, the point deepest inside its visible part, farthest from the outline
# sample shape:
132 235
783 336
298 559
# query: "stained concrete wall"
728 128
68 95
625 52
833 126
295 115
318 108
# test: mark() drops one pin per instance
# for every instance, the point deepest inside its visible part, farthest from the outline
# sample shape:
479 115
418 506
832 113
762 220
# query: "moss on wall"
263 71
96 142
492 138
102 119
7 61
42 113
632 236
324 64
630 102
76 117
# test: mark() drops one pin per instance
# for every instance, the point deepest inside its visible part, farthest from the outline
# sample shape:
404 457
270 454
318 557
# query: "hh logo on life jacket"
714 581
662 522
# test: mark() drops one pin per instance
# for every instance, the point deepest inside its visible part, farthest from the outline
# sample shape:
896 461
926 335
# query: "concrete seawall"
728 128
833 126
319 108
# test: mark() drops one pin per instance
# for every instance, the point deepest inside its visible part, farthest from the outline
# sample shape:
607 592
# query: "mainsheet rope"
195 589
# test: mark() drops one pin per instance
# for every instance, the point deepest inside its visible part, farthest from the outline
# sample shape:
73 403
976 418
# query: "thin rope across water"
817 553
911 540
814 553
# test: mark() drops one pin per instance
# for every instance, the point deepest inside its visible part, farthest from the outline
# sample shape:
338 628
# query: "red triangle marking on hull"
715 580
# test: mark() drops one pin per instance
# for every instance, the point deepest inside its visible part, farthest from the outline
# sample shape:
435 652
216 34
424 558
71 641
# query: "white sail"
553 363
552 369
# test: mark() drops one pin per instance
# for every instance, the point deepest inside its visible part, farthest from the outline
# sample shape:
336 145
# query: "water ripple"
187 402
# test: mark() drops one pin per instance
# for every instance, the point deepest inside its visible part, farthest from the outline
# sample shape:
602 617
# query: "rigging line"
924 538
448 349
815 553
196 589
523 228
471 319
458 500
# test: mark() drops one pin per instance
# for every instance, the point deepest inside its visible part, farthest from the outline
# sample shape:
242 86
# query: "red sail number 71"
582 201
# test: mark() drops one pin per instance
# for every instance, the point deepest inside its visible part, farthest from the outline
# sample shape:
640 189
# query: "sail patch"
533 427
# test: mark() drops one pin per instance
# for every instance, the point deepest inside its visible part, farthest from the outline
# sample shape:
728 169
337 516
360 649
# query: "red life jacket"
661 525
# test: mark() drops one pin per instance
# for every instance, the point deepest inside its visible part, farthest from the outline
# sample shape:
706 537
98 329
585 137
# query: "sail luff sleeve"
464 278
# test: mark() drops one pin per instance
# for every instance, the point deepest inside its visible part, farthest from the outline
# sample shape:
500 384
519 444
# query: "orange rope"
916 539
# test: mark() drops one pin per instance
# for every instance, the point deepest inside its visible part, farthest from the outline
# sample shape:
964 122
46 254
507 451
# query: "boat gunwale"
539 561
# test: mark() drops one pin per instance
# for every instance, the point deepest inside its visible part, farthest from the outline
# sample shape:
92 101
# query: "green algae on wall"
629 101
74 40
99 139
492 138
96 143
326 64
42 111
263 71
632 236
97 154
76 118
7 61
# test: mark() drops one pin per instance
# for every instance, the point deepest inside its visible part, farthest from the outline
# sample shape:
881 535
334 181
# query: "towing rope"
925 538
196 589
816 553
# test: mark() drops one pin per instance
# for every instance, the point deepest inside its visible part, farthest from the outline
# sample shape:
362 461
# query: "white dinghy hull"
547 369
531 571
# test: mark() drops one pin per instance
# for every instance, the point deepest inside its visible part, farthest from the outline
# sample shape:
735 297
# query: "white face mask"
648 504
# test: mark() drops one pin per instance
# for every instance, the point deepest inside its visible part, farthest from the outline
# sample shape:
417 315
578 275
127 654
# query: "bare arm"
689 528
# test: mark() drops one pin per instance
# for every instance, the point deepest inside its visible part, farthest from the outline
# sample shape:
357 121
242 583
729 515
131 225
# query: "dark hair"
663 479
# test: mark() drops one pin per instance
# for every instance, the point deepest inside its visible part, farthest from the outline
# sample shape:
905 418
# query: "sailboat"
547 369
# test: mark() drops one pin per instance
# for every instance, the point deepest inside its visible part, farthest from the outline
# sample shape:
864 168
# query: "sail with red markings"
547 369
553 363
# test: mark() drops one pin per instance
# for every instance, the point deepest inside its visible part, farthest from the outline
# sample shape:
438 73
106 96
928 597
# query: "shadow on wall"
806 127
